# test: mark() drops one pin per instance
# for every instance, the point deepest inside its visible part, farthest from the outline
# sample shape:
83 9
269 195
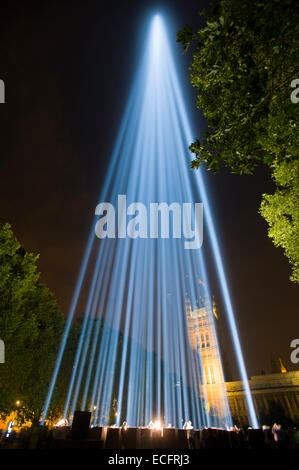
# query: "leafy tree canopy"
282 214
30 326
244 60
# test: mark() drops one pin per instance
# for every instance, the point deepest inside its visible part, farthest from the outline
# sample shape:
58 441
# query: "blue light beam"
136 364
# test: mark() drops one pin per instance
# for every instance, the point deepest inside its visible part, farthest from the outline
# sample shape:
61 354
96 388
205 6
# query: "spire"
215 309
282 367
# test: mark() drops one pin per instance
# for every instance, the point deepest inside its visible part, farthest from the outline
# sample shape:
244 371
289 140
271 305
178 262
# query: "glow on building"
204 343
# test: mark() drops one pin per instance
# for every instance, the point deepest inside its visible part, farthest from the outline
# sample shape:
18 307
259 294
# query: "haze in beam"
137 364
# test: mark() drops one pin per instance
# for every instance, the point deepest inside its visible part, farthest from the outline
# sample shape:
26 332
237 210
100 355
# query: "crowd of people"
155 435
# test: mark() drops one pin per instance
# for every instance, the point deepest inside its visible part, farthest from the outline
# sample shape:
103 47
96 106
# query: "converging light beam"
148 349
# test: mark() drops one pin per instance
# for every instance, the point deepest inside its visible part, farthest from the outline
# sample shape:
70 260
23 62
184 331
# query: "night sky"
68 67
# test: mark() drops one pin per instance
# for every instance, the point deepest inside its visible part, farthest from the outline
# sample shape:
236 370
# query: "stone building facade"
275 397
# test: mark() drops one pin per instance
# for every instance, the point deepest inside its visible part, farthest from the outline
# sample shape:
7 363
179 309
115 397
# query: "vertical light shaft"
218 262
134 361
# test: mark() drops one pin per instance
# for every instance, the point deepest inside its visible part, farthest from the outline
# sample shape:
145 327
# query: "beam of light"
85 335
84 265
68 325
134 360
219 264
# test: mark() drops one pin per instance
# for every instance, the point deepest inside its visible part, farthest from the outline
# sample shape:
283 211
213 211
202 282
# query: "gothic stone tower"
204 342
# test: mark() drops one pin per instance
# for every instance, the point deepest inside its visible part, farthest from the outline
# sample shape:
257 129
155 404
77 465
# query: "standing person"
279 437
190 434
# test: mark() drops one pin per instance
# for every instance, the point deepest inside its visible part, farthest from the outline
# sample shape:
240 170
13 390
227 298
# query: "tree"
30 326
282 214
244 61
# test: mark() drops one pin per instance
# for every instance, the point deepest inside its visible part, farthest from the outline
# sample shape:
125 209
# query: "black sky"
67 67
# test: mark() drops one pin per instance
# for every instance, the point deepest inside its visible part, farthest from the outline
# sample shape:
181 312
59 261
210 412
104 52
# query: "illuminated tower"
204 342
